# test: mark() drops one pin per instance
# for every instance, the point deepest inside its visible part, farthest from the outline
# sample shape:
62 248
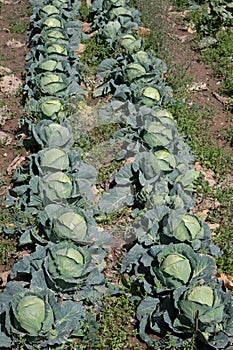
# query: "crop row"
170 268
52 291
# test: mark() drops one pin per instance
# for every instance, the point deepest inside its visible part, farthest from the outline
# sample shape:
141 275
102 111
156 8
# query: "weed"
18 28
7 244
96 51
117 324
107 171
8 247
220 58
84 11
170 343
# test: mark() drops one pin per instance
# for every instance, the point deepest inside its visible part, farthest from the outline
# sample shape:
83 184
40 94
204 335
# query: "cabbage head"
117 3
65 223
70 225
56 49
51 83
55 186
53 158
130 43
36 316
48 107
157 135
119 11
143 58
150 96
48 10
133 71
54 35
51 65
185 227
53 108
49 134
52 22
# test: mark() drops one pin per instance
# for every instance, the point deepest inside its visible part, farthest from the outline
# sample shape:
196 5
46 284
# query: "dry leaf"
86 27
92 34
129 160
15 162
227 282
202 214
5 138
14 44
213 226
143 32
208 174
82 48
222 99
4 70
10 83
4 278
200 86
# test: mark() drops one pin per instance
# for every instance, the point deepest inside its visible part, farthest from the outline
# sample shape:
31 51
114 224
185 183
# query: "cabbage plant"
53 187
178 226
49 107
203 310
49 134
138 177
65 179
65 267
207 309
36 316
66 223
163 268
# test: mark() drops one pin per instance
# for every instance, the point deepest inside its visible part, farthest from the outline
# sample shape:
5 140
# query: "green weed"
96 51
18 28
8 247
117 324
220 58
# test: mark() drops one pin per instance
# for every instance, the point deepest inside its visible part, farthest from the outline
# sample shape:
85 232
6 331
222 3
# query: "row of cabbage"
54 292
177 289
170 268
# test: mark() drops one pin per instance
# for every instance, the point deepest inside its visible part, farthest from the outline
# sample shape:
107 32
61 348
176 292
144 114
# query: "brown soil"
14 17
205 87
11 109
13 50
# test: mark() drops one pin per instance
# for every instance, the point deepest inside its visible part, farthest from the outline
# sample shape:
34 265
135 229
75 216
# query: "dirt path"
205 87
14 16
14 23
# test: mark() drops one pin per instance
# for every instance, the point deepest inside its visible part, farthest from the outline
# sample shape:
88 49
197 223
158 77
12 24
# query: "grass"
117 324
117 327
220 58
96 51
18 28
8 244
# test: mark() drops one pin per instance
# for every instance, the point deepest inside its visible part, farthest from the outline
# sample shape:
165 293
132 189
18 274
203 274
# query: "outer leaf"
116 198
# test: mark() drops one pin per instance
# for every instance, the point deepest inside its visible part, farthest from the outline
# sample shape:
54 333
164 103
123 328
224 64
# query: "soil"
12 60
13 50
205 89
14 17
